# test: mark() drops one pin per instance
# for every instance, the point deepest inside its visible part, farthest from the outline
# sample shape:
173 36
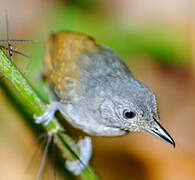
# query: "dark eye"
129 114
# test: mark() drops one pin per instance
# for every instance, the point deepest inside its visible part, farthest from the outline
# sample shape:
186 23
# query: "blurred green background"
155 38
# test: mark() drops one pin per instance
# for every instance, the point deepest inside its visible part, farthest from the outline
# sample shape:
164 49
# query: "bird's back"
74 62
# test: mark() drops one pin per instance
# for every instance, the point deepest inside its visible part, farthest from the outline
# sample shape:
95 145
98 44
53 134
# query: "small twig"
35 105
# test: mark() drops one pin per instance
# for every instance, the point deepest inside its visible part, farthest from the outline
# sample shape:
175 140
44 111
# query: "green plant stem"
35 105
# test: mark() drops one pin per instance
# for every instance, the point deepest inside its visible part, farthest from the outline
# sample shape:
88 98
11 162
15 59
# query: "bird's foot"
48 115
85 147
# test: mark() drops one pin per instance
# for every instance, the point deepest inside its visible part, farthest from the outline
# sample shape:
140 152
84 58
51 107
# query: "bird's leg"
48 115
85 147
85 144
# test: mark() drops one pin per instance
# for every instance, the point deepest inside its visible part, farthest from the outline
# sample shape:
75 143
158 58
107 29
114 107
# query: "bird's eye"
129 114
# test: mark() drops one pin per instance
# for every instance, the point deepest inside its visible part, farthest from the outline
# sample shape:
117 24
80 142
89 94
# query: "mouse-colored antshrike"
96 92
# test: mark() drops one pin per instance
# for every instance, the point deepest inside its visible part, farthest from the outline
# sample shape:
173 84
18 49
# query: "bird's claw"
48 115
85 147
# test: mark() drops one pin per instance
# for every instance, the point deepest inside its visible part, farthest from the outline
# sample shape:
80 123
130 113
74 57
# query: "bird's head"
132 107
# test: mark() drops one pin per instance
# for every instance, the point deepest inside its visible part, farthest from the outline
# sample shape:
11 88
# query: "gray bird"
96 92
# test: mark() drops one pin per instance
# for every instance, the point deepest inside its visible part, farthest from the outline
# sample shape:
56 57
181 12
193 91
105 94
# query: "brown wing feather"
60 62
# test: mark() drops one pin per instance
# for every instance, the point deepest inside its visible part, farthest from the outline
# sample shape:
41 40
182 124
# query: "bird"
95 92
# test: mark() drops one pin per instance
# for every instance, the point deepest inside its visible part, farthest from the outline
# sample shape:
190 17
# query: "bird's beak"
158 131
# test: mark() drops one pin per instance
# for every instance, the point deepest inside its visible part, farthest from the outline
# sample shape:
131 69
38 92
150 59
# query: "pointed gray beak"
158 131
